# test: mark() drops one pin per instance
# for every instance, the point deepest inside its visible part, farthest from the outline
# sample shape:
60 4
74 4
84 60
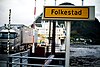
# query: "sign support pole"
67 43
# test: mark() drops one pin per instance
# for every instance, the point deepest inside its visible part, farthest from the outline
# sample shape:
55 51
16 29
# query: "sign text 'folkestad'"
66 12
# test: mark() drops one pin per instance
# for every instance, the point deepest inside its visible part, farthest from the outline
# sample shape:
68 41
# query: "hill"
82 29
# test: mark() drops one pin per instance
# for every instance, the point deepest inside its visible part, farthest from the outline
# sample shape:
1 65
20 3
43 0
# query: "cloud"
23 10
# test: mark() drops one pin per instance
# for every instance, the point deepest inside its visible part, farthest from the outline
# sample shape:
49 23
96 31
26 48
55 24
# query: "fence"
22 60
13 59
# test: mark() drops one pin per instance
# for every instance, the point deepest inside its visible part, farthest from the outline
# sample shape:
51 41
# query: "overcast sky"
23 10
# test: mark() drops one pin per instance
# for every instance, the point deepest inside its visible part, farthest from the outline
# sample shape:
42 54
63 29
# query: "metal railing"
13 59
3 63
22 60
18 61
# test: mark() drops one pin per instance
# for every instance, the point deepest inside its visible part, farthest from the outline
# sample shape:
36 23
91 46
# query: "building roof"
5 30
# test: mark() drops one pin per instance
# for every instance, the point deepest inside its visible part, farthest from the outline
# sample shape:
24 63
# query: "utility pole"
53 36
82 2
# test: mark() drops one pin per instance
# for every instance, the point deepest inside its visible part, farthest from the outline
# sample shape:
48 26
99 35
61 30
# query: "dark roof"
66 3
39 18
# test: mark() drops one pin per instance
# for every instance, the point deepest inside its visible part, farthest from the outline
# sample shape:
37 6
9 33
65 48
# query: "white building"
43 28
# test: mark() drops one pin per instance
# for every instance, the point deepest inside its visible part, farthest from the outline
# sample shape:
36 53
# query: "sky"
22 11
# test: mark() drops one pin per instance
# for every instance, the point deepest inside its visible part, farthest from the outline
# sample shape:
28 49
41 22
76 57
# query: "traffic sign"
69 12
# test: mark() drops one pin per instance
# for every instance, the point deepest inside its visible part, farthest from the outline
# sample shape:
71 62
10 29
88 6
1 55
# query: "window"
4 35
